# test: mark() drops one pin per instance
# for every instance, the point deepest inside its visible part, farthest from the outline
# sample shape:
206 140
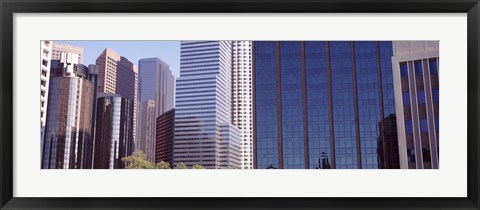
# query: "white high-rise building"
156 96
46 55
58 48
204 133
242 98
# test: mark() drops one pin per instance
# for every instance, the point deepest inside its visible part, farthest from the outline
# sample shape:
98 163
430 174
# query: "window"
423 126
433 66
403 70
406 98
421 97
435 95
426 154
418 68
411 155
408 126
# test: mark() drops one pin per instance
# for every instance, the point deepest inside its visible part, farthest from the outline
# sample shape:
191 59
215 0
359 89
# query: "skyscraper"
68 137
147 119
118 75
165 137
204 133
242 98
58 48
415 72
388 143
114 131
46 53
321 104
156 96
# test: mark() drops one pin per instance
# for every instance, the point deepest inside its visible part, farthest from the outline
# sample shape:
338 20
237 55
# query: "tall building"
93 76
68 136
58 48
118 75
321 104
156 95
388 143
147 126
415 68
114 131
204 133
165 136
242 98
46 54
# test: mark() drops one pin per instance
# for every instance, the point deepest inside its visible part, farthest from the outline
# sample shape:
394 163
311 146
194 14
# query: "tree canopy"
181 165
162 165
138 161
196 166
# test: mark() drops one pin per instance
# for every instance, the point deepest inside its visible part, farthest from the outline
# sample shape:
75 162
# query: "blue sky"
168 51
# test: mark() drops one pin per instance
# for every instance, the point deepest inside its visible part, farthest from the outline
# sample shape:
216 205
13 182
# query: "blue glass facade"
292 107
265 81
324 105
341 65
317 104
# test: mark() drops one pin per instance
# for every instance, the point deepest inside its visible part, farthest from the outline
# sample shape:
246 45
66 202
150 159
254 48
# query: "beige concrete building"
415 66
118 75
57 48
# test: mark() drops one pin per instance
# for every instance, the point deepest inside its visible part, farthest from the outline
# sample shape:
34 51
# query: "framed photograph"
296 105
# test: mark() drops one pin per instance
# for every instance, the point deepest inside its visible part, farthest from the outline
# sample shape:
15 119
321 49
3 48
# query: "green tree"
196 166
181 165
137 161
162 165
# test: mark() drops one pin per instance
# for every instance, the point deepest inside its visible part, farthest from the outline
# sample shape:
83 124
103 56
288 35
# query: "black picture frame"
10 7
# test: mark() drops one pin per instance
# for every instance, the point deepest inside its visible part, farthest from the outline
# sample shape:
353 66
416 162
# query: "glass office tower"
165 135
114 131
156 88
204 133
322 105
68 131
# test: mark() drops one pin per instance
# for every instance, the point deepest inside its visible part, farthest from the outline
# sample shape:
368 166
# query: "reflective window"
343 104
418 68
423 126
403 70
317 105
266 104
388 95
435 95
426 154
368 100
433 66
411 156
406 98
292 107
408 126
421 97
